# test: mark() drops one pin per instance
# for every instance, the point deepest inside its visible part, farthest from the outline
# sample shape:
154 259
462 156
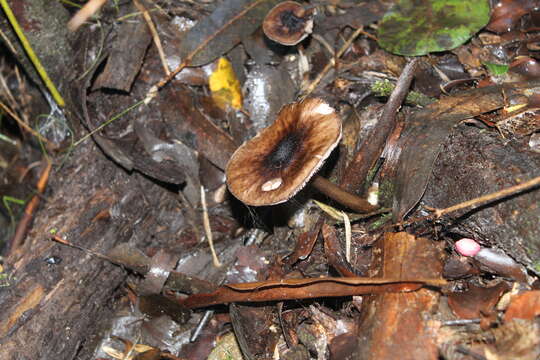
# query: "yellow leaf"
336 214
140 348
225 87
112 352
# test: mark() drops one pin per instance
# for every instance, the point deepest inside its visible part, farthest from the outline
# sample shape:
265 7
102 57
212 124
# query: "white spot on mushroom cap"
272 184
323 109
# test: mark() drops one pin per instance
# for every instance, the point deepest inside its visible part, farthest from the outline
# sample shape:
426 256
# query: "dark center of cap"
292 22
283 153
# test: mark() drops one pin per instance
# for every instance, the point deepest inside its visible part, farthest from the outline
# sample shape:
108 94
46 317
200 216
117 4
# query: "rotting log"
475 163
55 299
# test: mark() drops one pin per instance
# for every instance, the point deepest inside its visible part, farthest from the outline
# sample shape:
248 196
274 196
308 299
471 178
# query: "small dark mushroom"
278 162
288 23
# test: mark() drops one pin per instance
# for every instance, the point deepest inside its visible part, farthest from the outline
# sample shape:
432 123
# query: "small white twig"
324 43
348 236
207 229
152 93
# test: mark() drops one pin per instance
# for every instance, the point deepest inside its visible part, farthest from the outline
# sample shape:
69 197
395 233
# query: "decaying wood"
473 164
52 306
397 325
52 297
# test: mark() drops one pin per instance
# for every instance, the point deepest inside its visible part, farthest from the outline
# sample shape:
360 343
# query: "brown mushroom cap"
288 23
273 166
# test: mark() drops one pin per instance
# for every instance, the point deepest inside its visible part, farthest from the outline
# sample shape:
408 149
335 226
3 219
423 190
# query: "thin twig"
476 202
489 197
460 322
26 127
324 43
200 326
122 113
207 229
8 43
30 209
155 36
27 170
348 236
58 239
371 149
14 106
7 91
331 63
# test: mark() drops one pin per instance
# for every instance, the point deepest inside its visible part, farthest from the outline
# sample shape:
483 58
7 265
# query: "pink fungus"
467 247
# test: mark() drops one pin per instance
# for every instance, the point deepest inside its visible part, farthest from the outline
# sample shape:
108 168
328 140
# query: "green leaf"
418 27
496 69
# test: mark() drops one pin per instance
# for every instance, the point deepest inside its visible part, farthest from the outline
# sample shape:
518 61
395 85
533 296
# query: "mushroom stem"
343 197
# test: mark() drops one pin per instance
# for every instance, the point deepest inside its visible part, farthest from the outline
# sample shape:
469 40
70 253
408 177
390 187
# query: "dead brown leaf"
287 289
524 306
476 301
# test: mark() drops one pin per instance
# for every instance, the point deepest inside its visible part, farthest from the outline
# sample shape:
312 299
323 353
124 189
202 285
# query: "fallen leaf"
476 301
286 289
305 243
524 306
226 26
334 253
507 13
331 211
194 129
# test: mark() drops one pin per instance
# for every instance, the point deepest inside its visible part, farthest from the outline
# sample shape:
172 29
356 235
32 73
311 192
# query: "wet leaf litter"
289 199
